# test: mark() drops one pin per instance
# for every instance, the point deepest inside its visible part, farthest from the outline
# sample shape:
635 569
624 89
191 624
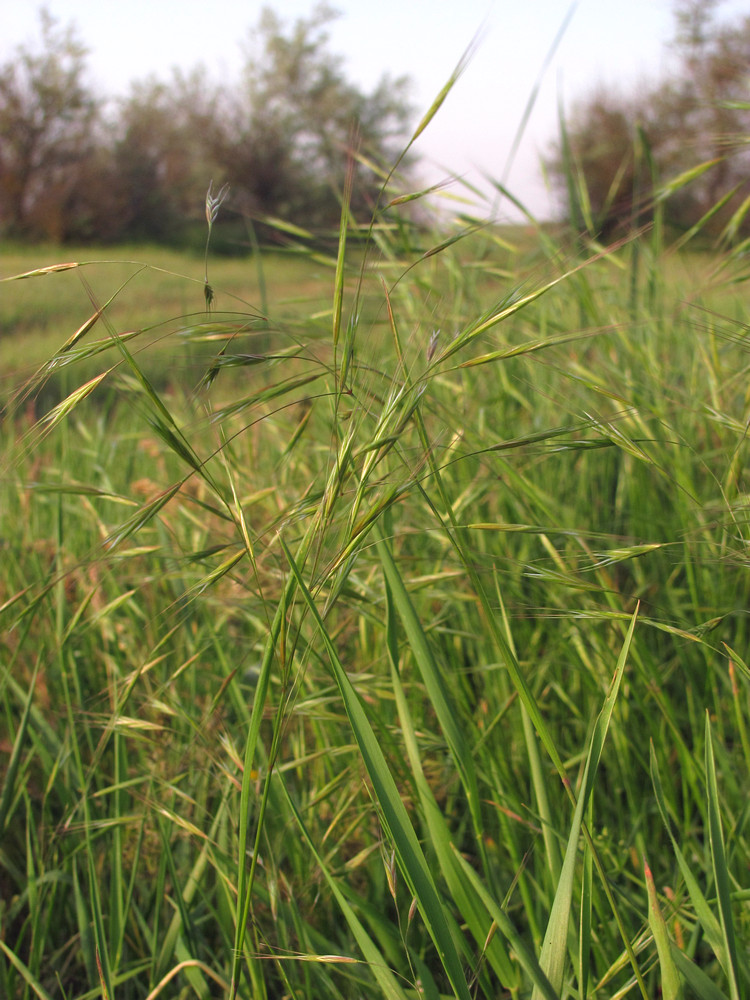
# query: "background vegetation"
76 167
628 148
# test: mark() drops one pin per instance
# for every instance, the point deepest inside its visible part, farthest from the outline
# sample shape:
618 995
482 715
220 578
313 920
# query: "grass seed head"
214 201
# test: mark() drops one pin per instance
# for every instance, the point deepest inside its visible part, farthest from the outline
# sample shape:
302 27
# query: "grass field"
383 633
151 290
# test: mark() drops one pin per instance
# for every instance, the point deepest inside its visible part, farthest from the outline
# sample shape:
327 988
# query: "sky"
611 43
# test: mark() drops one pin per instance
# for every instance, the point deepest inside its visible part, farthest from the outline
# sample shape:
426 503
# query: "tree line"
78 167
681 144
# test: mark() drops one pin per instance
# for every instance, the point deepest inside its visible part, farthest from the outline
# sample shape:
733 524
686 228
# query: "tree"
291 129
699 115
73 168
597 154
48 119
163 154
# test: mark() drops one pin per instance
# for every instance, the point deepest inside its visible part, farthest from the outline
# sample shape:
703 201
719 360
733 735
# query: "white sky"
611 42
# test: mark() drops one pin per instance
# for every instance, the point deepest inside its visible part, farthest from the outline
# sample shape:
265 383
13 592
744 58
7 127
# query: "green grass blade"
26 975
668 189
95 903
245 878
12 767
473 911
537 771
372 954
696 978
534 93
671 984
554 948
411 858
709 923
714 210
436 690
584 933
338 281
83 919
442 95
720 870
542 986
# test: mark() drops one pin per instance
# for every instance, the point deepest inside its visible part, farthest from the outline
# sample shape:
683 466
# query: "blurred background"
113 117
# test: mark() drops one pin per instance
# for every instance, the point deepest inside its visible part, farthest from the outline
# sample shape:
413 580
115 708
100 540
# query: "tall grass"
399 649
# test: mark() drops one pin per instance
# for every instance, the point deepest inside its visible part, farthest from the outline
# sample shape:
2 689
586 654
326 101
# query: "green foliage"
47 134
621 155
164 156
296 122
283 137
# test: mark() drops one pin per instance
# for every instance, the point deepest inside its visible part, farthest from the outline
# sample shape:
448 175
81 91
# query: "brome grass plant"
393 648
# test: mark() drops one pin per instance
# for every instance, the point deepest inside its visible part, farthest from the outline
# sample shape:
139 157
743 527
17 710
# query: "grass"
153 291
397 655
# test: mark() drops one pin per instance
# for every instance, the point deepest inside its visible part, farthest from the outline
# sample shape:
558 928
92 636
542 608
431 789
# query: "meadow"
380 632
